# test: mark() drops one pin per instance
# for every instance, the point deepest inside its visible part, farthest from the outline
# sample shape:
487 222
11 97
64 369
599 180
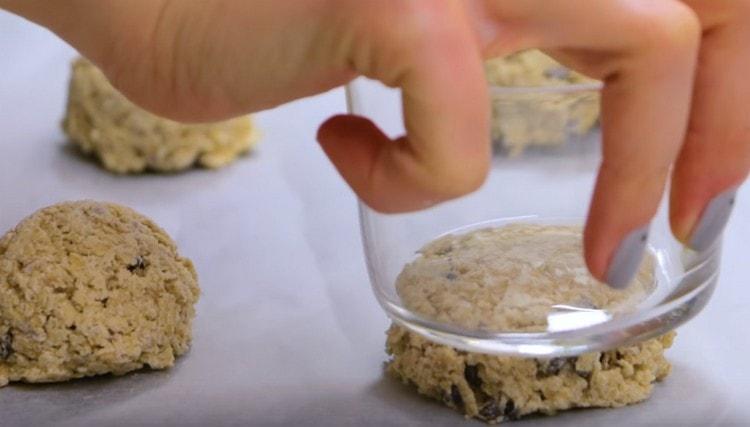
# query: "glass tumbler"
545 158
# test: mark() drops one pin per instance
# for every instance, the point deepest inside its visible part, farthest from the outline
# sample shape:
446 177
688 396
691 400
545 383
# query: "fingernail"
713 220
627 258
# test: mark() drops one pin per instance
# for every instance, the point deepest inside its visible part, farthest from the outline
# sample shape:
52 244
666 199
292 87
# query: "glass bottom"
570 326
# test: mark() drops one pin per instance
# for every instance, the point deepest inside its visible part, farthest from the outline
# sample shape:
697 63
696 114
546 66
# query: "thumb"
377 168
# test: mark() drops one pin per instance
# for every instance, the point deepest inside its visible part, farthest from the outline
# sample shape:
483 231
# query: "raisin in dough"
128 139
534 118
89 288
498 388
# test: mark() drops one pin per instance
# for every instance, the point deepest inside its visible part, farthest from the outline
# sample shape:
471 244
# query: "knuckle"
454 180
670 26
416 25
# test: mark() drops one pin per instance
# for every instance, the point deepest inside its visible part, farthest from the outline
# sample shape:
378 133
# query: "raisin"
491 411
551 366
455 397
6 346
586 375
444 251
471 373
556 365
511 412
138 265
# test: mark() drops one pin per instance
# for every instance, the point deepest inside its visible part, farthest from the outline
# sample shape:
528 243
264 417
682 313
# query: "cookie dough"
90 288
128 139
511 278
496 389
526 118
517 278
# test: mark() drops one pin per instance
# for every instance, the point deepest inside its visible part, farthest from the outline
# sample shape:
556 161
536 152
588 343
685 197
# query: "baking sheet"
287 331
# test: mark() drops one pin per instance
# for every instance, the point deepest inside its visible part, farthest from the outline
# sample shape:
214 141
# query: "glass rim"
690 292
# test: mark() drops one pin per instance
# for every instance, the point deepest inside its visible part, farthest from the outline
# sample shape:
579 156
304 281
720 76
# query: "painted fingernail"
713 220
627 258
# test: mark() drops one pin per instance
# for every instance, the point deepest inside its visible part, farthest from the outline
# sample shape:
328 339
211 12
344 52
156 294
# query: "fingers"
645 53
716 156
427 49
645 107
357 148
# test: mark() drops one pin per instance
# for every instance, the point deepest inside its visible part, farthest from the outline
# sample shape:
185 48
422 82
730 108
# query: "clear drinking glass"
546 153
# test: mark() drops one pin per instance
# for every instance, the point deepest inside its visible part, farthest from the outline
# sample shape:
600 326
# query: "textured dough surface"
496 389
534 118
510 278
127 139
89 288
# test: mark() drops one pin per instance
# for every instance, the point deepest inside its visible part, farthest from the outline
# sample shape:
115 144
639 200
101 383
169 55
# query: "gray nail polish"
627 258
713 220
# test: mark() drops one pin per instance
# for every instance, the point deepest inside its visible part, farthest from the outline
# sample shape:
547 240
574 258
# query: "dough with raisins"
90 288
101 122
501 388
520 277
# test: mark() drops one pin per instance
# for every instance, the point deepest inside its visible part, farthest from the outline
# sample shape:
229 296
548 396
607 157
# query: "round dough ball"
127 139
90 288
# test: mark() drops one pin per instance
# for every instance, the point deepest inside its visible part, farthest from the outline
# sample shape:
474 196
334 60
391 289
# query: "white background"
287 330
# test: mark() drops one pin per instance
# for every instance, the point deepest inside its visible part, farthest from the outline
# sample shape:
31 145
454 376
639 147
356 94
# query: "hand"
715 157
708 164
215 59
645 53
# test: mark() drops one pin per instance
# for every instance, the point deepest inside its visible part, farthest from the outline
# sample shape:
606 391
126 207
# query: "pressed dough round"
538 118
90 288
497 388
509 279
127 139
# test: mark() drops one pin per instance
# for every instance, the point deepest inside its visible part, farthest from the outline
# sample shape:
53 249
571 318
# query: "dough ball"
127 139
501 388
90 288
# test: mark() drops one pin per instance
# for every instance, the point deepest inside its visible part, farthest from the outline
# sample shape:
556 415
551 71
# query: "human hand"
715 157
707 165
215 59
